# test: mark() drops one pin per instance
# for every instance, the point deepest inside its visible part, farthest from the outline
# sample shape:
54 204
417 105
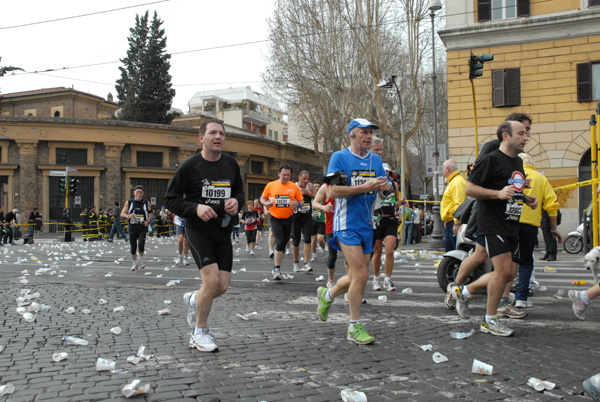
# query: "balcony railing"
256 117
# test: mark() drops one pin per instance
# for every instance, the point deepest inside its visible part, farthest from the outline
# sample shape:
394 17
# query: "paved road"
285 353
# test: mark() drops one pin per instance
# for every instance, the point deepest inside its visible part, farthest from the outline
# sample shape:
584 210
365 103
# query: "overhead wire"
82 15
395 21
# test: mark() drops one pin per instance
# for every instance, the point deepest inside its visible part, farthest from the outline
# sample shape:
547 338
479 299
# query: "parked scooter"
448 268
573 243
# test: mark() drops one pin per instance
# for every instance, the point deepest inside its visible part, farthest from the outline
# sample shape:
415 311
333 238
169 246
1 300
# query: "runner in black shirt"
497 181
302 222
139 213
207 192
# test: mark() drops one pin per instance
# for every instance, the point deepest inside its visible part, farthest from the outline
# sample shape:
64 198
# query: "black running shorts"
211 247
498 244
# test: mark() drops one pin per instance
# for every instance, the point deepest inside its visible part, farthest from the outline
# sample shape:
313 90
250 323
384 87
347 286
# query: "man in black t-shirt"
497 181
207 192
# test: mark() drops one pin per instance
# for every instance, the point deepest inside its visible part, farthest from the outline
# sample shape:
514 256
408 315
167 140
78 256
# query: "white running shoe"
251 252
330 284
287 251
247 248
307 267
179 260
204 342
191 311
297 268
523 304
376 283
142 263
388 285
186 260
135 265
313 257
276 274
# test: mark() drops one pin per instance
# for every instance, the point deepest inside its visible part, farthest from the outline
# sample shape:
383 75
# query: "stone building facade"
111 157
539 48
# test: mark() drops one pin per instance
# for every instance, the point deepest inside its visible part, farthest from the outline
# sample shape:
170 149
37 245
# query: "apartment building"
546 64
243 108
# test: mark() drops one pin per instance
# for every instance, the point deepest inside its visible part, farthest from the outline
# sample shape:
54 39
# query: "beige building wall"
546 47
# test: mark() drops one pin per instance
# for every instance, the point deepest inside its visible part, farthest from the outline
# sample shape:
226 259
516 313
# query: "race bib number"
216 190
137 219
251 221
514 208
282 201
316 215
360 177
304 209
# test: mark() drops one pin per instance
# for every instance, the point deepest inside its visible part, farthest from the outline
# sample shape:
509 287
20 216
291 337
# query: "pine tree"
144 90
7 69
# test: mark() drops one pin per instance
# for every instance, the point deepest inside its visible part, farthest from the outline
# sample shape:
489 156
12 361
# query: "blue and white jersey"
355 212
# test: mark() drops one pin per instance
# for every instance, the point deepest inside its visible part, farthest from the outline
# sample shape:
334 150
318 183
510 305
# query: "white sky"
189 25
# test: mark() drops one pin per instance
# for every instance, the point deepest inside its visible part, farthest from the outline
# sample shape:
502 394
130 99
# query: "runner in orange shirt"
281 197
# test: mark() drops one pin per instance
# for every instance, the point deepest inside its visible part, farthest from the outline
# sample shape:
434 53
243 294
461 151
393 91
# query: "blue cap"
361 123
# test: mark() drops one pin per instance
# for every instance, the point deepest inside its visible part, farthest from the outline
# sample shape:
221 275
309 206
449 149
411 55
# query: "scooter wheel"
573 244
447 270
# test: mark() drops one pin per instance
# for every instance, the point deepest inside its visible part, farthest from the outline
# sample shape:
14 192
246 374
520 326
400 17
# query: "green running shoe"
359 335
323 304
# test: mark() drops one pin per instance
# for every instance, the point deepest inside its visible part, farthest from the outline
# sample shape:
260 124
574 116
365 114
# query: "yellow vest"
454 195
546 197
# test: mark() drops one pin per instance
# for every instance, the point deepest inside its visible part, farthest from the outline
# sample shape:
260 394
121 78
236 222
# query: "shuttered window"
149 159
506 87
588 81
501 9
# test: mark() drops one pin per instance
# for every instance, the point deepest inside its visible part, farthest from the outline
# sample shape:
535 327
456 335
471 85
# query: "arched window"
57 114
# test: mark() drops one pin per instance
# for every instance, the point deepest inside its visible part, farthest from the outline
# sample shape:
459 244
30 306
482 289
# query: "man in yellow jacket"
529 223
454 195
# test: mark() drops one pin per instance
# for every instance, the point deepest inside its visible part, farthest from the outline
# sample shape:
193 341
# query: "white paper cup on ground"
105 365
439 358
133 359
540 385
481 368
59 356
536 384
116 330
407 291
382 298
134 388
29 317
7 389
351 395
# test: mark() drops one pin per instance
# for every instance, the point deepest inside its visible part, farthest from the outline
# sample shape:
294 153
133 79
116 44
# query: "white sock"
193 300
488 317
388 278
584 297
328 296
466 292
199 331
351 325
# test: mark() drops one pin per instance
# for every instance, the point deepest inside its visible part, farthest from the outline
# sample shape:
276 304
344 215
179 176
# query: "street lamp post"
388 84
436 235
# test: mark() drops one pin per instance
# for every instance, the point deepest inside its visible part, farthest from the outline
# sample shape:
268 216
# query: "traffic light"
73 186
476 64
62 186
